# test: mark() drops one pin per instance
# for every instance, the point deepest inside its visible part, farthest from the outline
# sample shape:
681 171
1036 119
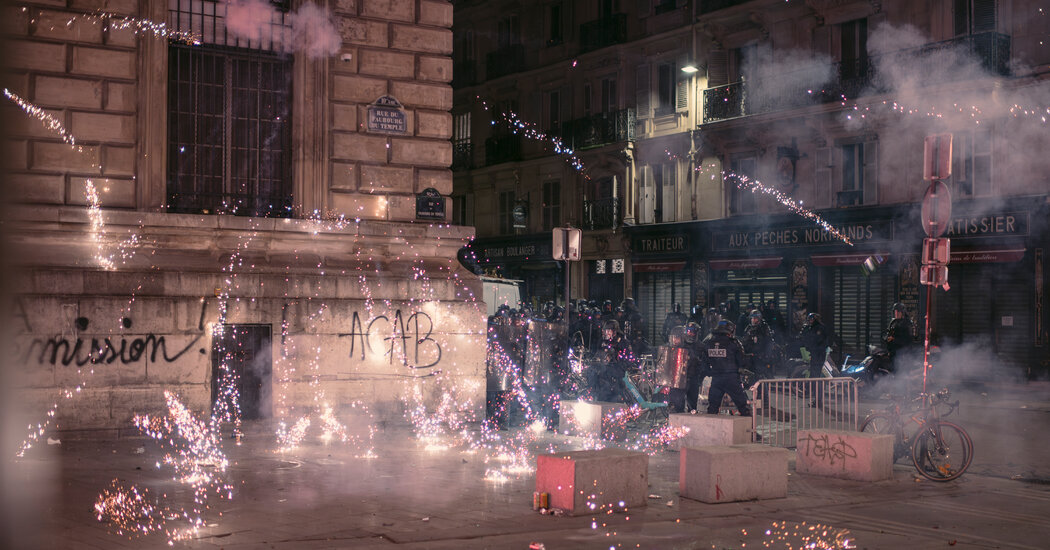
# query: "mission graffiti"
67 351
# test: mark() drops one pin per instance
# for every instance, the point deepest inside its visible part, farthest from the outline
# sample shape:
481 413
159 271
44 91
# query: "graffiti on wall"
407 339
72 349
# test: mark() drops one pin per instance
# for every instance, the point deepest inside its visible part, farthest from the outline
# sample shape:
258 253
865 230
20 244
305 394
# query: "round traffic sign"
936 209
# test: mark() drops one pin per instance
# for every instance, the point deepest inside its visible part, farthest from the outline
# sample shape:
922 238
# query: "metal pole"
926 341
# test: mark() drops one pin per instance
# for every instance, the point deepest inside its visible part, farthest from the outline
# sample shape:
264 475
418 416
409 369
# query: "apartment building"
823 103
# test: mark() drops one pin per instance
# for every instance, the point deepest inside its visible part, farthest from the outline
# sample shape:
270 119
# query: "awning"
747 263
657 267
986 256
844 259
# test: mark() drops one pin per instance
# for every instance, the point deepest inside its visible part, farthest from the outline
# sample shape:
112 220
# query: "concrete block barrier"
583 482
598 419
845 454
732 473
711 429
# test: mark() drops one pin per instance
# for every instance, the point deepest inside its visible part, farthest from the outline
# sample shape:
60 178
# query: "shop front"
526 258
802 268
662 273
994 305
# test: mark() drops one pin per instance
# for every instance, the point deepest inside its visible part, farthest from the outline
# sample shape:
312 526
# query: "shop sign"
997 225
807 235
518 251
746 263
844 259
987 256
661 244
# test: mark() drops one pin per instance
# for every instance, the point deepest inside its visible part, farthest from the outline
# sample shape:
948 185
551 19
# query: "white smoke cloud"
792 74
311 31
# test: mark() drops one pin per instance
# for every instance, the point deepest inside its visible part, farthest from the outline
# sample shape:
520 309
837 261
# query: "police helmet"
723 327
756 315
692 332
899 307
813 318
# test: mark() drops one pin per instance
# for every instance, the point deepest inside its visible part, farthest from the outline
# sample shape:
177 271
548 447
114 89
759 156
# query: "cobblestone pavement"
323 496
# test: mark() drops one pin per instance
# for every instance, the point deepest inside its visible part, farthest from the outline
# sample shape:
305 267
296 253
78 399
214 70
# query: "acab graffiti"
405 338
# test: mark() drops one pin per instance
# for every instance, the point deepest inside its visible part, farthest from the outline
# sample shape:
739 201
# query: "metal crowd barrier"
782 407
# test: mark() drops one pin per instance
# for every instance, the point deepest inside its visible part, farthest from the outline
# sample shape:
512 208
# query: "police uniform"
724 357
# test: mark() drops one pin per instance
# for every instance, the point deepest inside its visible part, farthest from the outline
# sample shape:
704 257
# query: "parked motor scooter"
869 370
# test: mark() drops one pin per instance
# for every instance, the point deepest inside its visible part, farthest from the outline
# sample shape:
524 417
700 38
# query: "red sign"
747 263
658 267
987 256
844 259
936 209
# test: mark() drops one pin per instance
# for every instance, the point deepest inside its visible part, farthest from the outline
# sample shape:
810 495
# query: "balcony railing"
462 155
856 77
603 32
504 61
599 129
502 148
601 213
722 102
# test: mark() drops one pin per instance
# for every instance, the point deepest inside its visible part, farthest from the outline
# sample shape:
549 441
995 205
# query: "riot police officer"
814 337
695 372
898 335
606 382
675 318
723 355
758 343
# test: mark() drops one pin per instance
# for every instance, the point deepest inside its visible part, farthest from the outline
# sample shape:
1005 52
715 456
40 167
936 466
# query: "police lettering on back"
716 351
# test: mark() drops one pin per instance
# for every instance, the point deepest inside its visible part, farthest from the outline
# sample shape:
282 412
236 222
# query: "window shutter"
681 91
871 172
717 68
822 166
822 39
642 91
984 15
648 195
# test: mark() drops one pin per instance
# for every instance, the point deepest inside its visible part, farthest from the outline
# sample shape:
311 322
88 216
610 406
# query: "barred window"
229 115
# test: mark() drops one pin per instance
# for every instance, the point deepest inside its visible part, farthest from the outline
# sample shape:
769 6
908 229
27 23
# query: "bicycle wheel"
942 451
882 423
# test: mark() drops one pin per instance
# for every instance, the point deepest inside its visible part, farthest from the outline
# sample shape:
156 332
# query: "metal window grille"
268 32
229 131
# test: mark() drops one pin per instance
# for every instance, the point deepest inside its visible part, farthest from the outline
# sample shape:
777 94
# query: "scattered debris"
655 496
426 519
670 503
51 441
537 546
140 450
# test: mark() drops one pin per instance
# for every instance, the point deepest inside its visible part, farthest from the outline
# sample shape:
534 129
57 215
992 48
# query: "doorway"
246 350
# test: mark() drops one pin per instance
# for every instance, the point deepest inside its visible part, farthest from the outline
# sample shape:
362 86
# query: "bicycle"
940 450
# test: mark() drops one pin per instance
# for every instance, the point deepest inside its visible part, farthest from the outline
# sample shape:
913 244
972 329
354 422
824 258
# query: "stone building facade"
288 232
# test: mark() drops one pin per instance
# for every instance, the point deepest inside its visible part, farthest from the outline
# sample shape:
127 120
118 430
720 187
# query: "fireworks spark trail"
51 123
197 460
139 26
529 131
129 510
744 182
